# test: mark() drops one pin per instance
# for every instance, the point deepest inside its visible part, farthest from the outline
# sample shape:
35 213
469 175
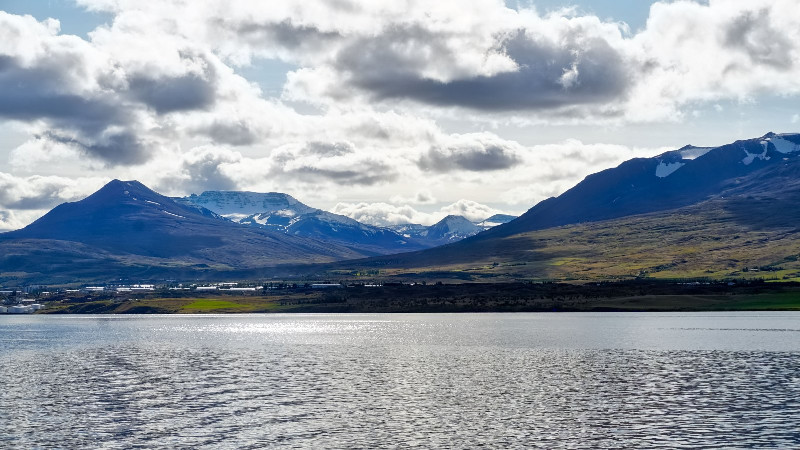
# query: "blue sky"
383 111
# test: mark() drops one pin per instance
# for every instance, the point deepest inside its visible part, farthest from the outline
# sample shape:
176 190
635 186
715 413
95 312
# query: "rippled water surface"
467 380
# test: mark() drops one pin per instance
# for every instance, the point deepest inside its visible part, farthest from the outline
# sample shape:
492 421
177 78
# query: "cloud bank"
385 100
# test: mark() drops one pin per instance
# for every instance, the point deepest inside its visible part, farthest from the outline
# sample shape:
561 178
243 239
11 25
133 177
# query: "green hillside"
736 237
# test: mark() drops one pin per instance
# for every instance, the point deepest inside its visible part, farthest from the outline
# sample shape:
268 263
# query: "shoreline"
440 298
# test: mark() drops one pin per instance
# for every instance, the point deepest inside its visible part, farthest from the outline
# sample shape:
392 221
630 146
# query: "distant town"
29 299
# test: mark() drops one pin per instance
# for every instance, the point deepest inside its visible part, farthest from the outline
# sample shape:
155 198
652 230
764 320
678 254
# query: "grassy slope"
715 239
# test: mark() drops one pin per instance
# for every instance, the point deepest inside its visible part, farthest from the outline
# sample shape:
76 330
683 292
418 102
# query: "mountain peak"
454 218
123 191
240 204
452 228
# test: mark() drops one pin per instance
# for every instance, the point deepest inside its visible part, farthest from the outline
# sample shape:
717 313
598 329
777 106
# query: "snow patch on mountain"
750 157
782 145
664 170
169 213
239 205
690 152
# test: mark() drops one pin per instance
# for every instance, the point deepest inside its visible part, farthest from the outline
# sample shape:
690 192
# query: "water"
579 380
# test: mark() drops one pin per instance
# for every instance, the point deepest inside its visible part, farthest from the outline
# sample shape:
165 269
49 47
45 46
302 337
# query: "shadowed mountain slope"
126 228
746 217
668 181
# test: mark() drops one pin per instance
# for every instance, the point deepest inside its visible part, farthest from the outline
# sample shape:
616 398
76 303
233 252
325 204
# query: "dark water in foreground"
499 380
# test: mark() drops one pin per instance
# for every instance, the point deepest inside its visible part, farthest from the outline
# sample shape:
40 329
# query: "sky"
385 111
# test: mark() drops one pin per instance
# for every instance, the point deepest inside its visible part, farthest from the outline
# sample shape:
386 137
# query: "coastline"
449 298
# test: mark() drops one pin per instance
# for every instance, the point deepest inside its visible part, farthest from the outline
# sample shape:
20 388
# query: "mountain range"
715 212
282 212
126 230
694 212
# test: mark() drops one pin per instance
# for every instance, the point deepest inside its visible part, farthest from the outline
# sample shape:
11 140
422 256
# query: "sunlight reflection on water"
502 380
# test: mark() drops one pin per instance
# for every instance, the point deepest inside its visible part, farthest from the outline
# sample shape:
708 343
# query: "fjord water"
556 380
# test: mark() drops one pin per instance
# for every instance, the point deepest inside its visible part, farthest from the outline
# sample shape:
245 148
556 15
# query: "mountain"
671 180
246 206
692 212
126 229
283 213
495 220
450 229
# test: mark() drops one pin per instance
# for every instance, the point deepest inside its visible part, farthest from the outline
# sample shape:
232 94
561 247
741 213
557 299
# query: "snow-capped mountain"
126 229
671 180
238 206
284 213
450 229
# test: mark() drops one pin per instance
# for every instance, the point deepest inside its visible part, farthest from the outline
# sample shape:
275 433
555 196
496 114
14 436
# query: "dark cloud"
476 157
206 173
236 133
364 173
43 200
285 34
101 122
116 148
169 94
33 193
165 94
333 161
43 91
550 75
753 33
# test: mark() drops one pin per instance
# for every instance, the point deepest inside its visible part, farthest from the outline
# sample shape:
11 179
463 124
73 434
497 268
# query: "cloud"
200 169
473 152
423 197
14 220
39 193
336 162
381 214
172 94
753 33
384 214
561 66
157 93
693 52
54 79
102 97
548 74
473 211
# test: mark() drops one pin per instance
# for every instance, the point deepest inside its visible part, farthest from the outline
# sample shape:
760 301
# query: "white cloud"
422 197
23 199
473 211
156 95
14 220
384 214
483 56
